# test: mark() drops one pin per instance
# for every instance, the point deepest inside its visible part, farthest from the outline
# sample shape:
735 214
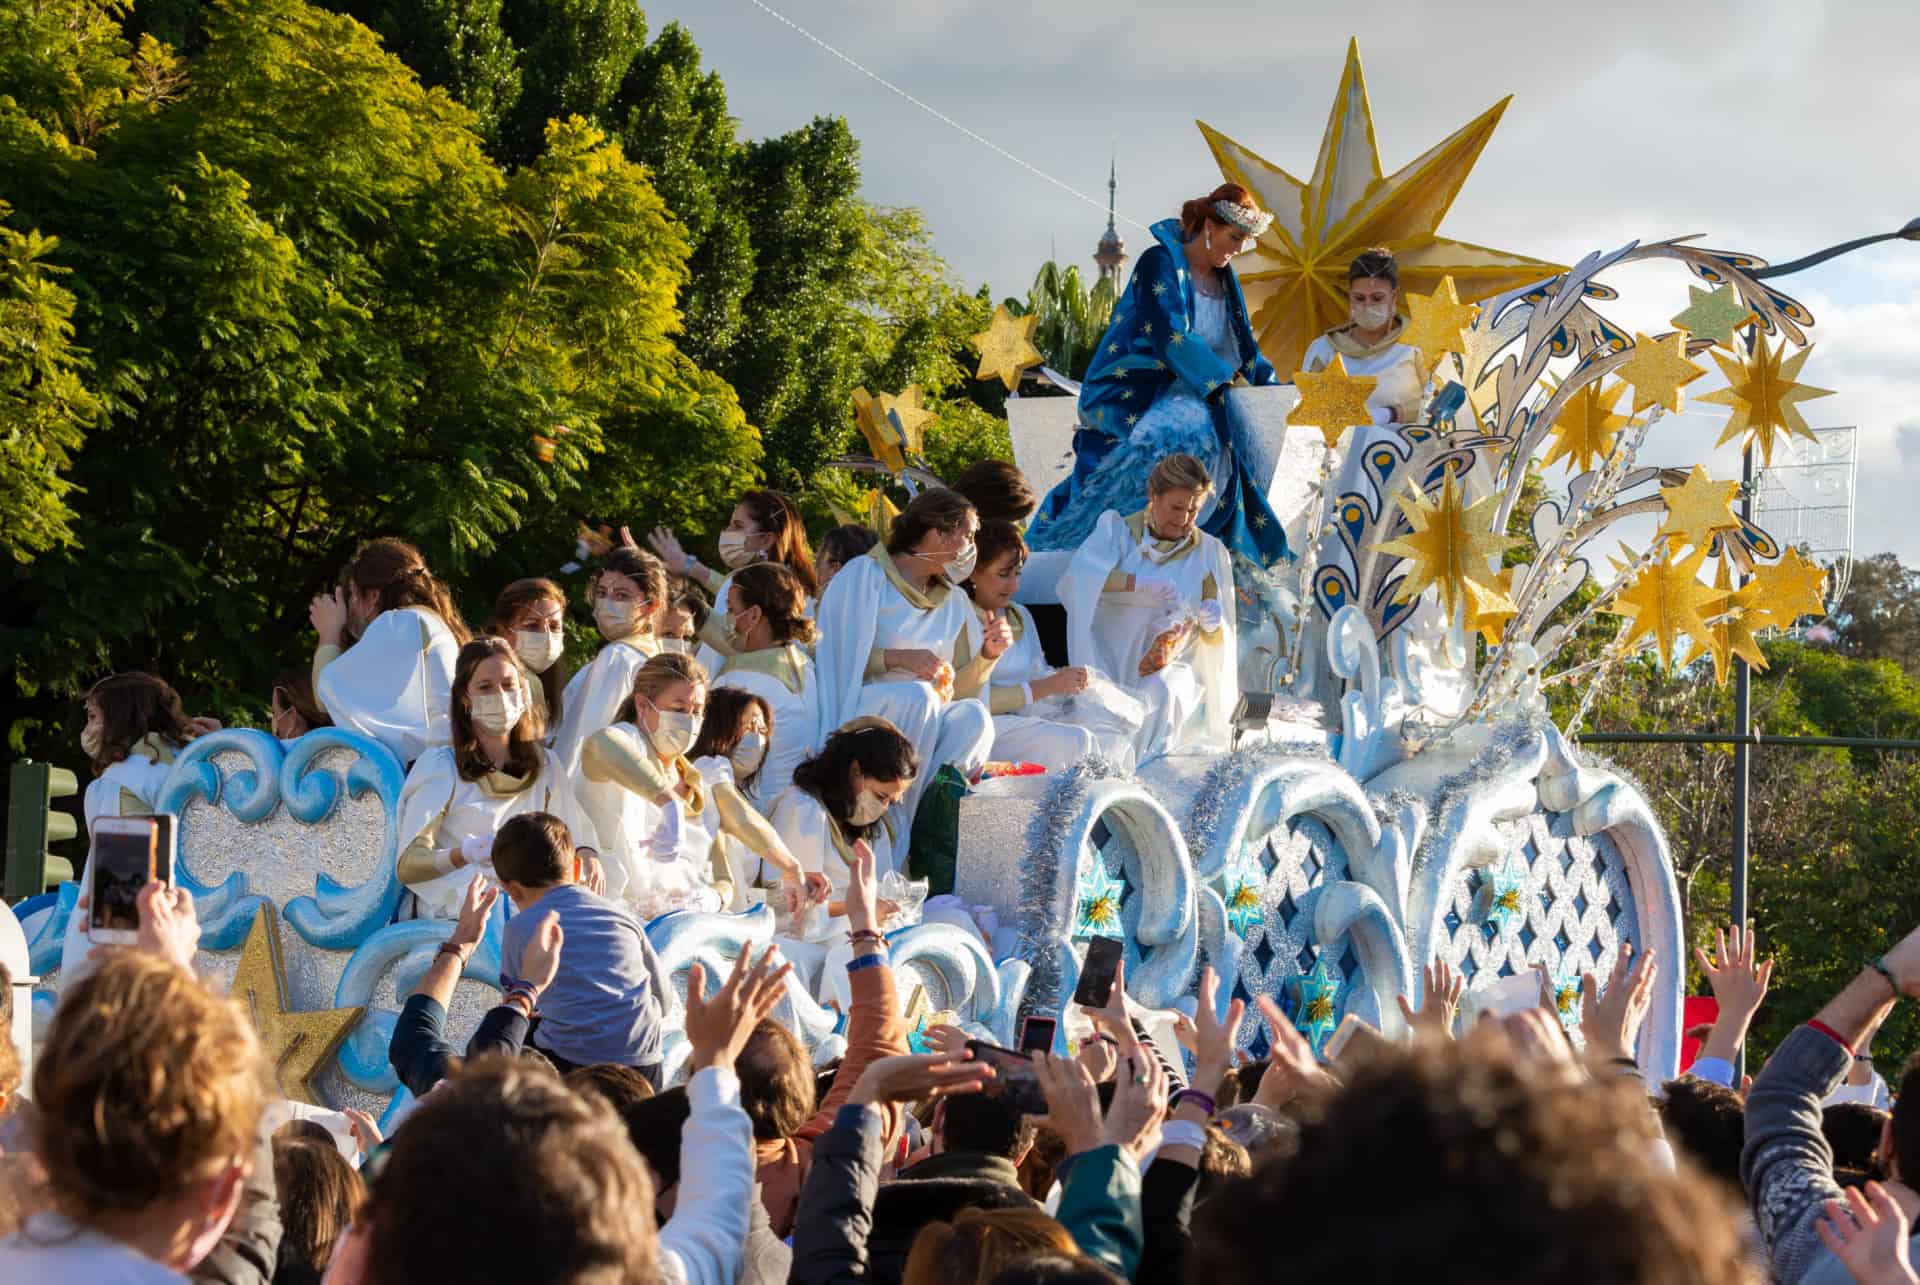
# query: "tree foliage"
1073 318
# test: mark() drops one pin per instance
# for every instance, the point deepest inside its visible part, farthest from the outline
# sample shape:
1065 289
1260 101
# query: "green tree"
455 45
573 56
1879 616
1072 318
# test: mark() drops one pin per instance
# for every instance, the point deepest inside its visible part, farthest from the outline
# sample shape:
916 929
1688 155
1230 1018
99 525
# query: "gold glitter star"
1714 315
1435 322
1452 545
1762 392
1488 614
1782 592
297 1045
1733 635
1658 370
874 413
1006 347
1585 429
1665 601
1295 276
1698 508
1331 400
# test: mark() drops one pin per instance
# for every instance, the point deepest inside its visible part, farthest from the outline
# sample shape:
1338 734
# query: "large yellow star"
1437 321
1763 395
297 1045
1489 615
875 413
1714 315
1295 277
1733 635
1585 428
1697 509
1452 545
1331 400
1781 592
1658 370
1667 600
1006 347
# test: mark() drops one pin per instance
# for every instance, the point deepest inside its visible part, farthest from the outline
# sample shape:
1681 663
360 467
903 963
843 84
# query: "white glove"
477 850
1208 616
1382 415
1164 592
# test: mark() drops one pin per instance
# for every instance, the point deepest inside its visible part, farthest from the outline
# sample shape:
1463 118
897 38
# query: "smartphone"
1355 1035
1096 972
1036 1034
128 854
1014 1082
1505 997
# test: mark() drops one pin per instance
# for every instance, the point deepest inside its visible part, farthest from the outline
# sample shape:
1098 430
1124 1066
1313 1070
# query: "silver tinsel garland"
1044 909
1508 741
1224 779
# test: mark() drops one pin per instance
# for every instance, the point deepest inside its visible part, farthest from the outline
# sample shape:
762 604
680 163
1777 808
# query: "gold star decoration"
1658 370
1452 545
1006 347
1331 400
1733 634
297 1045
1697 509
1585 429
1666 601
876 412
1295 276
1781 592
1714 315
1436 322
878 515
1490 620
1763 394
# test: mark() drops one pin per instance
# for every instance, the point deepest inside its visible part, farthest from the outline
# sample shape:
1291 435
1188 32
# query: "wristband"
462 953
1880 966
1026 689
865 961
1183 1133
522 991
859 935
1196 1097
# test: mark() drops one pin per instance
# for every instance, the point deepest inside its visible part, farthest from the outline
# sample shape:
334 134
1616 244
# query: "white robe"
1019 737
593 697
658 856
808 831
796 714
866 610
130 787
436 795
1402 376
1110 632
395 683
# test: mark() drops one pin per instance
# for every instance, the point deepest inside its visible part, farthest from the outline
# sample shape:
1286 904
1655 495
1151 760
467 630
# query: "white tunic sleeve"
395 683
136 778
426 795
564 802
848 615
1081 587
594 699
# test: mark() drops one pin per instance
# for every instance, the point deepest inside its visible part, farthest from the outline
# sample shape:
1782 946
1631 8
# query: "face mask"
679 645
497 713
1372 316
734 551
962 565
538 649
90 742
736 636
748 755
869 807
616 619
675 732
286 724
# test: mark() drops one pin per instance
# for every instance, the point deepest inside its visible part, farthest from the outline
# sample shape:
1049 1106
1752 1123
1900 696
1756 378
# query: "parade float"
1396 791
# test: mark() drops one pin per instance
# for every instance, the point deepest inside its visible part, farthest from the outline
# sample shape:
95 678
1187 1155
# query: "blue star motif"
1097 899
1242 884
1506 891
1147 328
1567 997
1319 1010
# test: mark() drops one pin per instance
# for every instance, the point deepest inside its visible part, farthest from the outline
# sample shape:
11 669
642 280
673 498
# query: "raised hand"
718 1028
169 924
996 636
666 545
1291 1066
202 725
328 612
589 873
1073 1102
1139 1106
1738 983
948 1041
1610 1021
366 1130
1868 1234
540 961
920 1077
1441 1003
1213 1035
476 907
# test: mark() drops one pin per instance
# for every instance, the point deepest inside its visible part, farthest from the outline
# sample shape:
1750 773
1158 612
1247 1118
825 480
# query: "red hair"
1200 209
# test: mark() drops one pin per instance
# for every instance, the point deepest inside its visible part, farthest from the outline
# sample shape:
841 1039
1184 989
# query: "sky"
1775 127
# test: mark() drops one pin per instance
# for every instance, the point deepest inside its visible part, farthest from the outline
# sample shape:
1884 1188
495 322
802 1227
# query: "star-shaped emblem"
1331 400
1006 347
1666 601
1734 632
1566 997
1658 370
1178 337
1490 620
1698 509
1505 893
894 427
1097 901
1452 545
1714 315
297 1045
1436 322
1244 883
1147 328
1781 592
1764 396
1159 287
1319 1010
1585 429
1259 522
1132 420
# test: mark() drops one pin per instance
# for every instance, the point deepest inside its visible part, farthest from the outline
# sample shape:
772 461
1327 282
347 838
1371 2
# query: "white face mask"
963 562
497 713
869 807
616 619
730 626
680 645
1372 316
90 741
748 755
674 732
538 649
734 551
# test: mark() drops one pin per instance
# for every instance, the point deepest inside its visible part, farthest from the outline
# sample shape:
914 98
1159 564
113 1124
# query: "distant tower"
1111 253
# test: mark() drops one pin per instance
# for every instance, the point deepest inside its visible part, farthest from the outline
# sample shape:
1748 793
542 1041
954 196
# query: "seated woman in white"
764 618
732 750
659 819
888 625
853 791
766 527
457 796
532 615
629 593
1154 588
1021 675
392 683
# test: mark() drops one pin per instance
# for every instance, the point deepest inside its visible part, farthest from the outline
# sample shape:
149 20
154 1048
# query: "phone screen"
1014 1081
1036 1034
1096 974
123 864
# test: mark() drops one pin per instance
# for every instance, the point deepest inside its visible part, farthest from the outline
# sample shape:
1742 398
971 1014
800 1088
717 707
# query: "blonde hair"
147 1084
1179 472
658 675
978 1243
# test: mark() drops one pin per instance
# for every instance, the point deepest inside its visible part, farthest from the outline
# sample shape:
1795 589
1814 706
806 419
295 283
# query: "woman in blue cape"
1157 386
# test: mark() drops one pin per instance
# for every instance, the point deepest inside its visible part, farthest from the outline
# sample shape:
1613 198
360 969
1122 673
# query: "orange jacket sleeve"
875 1030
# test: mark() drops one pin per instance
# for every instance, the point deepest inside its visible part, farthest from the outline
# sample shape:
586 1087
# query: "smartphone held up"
128 854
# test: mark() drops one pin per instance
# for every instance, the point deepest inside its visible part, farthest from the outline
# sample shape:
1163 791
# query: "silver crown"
1248 218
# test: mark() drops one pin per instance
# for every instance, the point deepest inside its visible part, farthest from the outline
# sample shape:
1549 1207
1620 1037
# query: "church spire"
1111 254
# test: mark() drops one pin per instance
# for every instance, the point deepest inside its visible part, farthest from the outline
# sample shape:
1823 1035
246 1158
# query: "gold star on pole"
1658 370
1714 315
894 427
1331 400
1006 347
1295 277
1732 635
1487 615
1762 392
1698 508
1436 322
296 1044
1665 601
1452 545
1585 429
1782 592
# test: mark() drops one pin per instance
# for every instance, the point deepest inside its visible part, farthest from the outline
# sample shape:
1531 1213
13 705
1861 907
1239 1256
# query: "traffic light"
33 823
